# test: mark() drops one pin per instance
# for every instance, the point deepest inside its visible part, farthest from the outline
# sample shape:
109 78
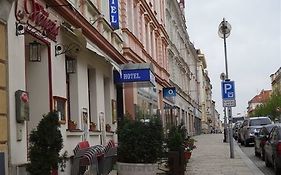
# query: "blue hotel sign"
135 75
114 15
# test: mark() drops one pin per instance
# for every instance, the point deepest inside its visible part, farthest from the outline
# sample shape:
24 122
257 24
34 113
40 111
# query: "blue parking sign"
228 90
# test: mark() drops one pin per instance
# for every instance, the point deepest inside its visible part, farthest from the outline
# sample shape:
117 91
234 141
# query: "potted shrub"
188 147
72 125
175 143
45 144
140 146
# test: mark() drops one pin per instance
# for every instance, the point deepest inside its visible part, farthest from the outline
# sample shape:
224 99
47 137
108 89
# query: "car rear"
255 124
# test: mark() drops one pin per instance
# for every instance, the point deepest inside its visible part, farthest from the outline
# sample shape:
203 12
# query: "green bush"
140 141
176 137
45 145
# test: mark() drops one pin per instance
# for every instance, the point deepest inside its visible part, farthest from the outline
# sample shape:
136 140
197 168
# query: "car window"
269 128
260 121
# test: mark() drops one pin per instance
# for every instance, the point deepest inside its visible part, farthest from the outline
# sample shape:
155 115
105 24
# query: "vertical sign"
228 94
114 15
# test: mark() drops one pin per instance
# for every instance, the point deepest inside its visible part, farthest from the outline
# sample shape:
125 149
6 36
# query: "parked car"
261 138
236 128
272 149
251 127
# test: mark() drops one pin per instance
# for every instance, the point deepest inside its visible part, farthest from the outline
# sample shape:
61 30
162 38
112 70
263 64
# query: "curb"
247 161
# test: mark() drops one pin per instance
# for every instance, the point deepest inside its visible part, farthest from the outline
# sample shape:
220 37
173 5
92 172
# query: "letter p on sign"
228 90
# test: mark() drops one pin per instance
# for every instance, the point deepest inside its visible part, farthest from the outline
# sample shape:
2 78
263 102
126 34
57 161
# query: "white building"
183 68
63 57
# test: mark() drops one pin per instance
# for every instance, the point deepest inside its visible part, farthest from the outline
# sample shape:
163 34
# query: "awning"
92 47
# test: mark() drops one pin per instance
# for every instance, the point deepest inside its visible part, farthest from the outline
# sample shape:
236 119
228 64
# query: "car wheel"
277 170
267 163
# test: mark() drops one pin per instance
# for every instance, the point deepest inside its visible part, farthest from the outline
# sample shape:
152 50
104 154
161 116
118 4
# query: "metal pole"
230 132
225 126
225 57
229 108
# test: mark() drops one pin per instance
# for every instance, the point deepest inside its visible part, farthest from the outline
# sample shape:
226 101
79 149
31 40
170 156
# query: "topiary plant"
45 145
140 141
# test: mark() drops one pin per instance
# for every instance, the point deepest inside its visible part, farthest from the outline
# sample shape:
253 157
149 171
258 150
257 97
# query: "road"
249 151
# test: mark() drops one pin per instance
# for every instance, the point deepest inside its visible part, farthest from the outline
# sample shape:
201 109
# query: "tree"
270 108
45 145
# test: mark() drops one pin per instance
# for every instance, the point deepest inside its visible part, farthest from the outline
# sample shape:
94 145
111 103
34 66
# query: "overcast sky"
253 47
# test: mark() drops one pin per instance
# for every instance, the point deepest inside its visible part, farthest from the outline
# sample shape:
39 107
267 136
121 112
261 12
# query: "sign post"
229 101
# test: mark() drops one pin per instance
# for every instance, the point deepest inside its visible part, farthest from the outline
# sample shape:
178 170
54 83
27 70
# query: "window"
60 107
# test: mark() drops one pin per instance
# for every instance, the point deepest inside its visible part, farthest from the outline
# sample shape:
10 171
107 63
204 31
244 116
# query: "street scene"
140 87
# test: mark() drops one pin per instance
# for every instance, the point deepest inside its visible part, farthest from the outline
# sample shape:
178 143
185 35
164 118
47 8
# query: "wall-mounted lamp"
93 21
34 51
61 49
70 65
19 29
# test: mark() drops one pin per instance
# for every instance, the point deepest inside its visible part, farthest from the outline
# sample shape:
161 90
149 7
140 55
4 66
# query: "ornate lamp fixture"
35 51
70 65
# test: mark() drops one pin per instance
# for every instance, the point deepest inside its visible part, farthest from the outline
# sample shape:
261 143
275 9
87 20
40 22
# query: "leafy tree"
271 108
45 145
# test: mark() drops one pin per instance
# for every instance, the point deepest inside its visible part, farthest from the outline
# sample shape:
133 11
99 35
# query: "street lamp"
224 32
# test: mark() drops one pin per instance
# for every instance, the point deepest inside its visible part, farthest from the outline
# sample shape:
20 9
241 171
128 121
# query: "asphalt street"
250 152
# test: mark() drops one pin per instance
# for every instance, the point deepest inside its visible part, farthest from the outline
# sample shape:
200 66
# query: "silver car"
250 127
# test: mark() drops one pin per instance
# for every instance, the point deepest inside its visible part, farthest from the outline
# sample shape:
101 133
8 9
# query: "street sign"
228 94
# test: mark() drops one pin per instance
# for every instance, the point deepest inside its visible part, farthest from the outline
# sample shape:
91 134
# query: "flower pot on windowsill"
107 128
93 127
72 126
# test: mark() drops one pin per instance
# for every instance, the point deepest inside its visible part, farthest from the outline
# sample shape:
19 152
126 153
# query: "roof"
262 97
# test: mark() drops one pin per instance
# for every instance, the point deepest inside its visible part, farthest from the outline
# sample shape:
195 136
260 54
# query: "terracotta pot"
93 127
108 128
187 155
71 126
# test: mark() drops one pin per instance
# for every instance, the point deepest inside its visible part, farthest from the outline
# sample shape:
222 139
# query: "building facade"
145 42
62 57
85 59
257 100
183 66
276 81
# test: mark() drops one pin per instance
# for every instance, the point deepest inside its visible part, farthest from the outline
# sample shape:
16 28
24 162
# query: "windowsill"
94 133
76 132
62 122
110 133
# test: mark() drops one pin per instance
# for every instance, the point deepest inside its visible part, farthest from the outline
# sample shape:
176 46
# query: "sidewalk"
212 157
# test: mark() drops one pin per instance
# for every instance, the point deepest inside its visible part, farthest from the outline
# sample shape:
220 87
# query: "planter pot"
136 169
187 155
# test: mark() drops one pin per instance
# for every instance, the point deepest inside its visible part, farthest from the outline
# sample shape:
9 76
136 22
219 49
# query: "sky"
253 47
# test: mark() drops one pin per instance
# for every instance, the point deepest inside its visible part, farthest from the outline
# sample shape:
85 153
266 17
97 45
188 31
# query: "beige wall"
3 90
